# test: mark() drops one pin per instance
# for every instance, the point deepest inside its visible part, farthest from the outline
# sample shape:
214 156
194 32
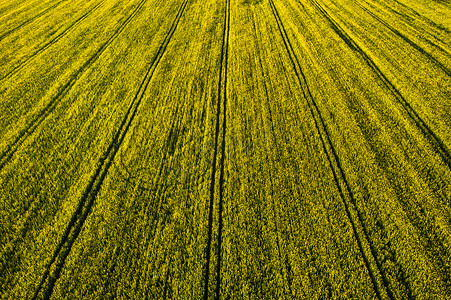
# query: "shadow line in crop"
87 200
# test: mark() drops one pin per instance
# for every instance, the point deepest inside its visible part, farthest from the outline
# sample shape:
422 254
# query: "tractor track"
50 43
14 8
276 208
5 34
428 238
222 99
425 19
157 194
420 30
407 40
345 192
433 139
23 134
74 227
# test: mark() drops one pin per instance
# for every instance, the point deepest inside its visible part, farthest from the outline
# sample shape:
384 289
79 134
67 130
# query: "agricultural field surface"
225 149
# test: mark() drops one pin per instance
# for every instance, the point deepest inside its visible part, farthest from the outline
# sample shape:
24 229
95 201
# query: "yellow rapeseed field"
225 149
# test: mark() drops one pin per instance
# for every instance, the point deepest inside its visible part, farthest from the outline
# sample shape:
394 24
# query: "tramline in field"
230 149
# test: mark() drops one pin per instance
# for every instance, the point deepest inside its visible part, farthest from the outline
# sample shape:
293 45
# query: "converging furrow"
348 200
436 143
23 134
56 263
407 40
50 43
427 20
222 100
433 139
5 34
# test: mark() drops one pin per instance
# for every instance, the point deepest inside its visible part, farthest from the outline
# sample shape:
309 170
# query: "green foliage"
305 143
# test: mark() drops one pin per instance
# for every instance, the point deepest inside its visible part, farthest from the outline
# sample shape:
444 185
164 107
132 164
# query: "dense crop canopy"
225 149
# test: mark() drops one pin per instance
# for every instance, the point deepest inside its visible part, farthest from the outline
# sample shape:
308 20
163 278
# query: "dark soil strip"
225 44
222 99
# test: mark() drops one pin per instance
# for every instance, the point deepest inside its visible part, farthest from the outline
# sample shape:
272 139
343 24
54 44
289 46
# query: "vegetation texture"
225 149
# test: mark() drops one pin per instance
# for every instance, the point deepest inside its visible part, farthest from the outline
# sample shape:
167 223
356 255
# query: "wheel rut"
9 32
222 100
56 263
378 278
51 42
407 40
440 148
30 128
